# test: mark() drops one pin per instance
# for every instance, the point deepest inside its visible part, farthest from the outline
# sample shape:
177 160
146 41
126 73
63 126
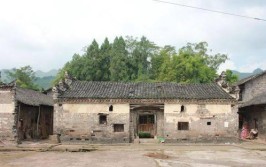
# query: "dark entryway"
34 122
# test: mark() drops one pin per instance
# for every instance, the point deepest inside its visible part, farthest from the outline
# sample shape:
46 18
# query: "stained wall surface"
81 122
7 108
254 88
205 122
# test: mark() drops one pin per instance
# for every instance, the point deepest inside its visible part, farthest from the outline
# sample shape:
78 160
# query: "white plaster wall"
6 103
96 108
173 114
192 108
219 109
175 108
7 108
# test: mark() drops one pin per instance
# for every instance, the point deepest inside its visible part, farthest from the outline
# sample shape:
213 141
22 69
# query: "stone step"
146 141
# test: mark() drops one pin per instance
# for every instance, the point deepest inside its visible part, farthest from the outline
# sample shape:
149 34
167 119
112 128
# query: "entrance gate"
146 120
146 126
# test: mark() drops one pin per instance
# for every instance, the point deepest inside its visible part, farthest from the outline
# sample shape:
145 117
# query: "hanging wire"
210 10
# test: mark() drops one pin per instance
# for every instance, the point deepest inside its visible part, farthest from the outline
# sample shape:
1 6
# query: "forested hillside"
242 75
42 80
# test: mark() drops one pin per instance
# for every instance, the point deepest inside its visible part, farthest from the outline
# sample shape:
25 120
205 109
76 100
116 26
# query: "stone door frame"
143 109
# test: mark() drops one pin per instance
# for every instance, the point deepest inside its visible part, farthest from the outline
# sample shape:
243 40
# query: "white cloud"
45 34
227 65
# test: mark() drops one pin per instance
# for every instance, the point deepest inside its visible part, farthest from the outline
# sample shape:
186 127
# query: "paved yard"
140 156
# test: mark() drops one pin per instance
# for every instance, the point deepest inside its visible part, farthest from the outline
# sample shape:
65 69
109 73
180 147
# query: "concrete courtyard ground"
133 155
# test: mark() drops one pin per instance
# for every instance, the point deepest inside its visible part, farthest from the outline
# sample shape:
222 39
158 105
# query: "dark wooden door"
147 124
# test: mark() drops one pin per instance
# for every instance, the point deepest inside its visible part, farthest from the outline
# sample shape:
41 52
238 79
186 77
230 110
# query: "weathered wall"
80 122
7 108
223 122
254 88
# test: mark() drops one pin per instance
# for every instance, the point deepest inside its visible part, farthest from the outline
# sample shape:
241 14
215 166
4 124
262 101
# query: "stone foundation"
205 139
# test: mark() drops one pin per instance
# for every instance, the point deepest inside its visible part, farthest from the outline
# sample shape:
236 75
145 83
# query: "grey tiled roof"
9 85
122 90
258 100
247 79
34 98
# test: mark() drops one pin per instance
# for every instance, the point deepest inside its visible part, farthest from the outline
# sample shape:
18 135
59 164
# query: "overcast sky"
46 33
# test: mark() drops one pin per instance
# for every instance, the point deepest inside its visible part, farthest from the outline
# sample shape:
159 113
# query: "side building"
111 112
24 114
252 103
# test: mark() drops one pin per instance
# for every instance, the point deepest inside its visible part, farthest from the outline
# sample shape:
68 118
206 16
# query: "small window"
209 123
118 127
103 119
183 126
111 108
182 108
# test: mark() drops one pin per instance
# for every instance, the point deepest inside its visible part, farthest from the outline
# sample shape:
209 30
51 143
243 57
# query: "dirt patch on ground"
6 157
157 155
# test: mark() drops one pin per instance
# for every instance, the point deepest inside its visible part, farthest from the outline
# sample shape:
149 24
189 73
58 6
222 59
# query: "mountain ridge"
43 79
242 75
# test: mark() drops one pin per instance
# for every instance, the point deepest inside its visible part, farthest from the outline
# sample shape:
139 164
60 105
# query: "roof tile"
31 97
160 90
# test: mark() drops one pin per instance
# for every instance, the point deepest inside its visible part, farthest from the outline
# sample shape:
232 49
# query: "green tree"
118 63
140 53
143 53
164 64
190 68
104 62
201 49
192 64
91 70
141 60
230 77
24 77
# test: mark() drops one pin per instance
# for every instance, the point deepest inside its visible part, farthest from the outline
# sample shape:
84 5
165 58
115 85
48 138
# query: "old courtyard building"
105 112
24 114
252 104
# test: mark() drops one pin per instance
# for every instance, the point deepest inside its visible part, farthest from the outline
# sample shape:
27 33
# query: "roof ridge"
159 82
